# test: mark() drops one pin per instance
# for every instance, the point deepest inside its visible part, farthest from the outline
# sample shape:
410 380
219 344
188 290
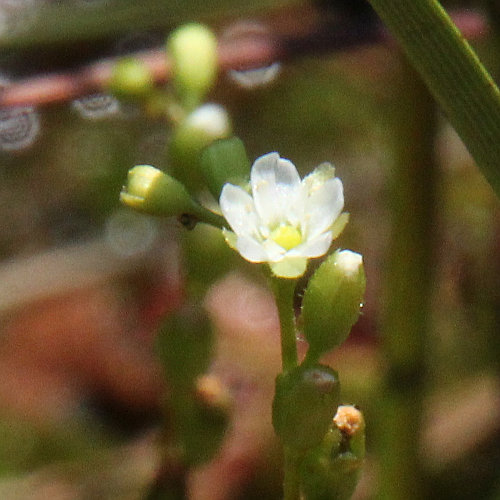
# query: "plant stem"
283 292
408 289
453 74
201 214
291 484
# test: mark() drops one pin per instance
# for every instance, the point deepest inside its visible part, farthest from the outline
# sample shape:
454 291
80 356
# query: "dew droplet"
130 234
253 78
97 106
19 128
245 32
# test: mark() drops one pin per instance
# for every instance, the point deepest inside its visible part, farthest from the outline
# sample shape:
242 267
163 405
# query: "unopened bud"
184 346
151 191
200 128
131 78
332 301
224 161
304 404
193 52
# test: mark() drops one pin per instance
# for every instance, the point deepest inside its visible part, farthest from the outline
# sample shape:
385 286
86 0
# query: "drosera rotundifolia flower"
284 220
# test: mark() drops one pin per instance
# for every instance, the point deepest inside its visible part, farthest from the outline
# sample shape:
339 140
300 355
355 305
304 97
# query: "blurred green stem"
70 22
291 482
453 74
409 280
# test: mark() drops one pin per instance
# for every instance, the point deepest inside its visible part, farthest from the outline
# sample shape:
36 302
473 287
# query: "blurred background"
84 282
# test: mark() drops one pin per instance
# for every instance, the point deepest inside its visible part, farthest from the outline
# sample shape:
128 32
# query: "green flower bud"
305 401
332 302
200 128
331 471
224 161
201 418
193 52
184 345
131 78
151 191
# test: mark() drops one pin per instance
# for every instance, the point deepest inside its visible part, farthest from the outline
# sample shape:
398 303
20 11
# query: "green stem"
453 74
201 214
283 292
291 481
408 289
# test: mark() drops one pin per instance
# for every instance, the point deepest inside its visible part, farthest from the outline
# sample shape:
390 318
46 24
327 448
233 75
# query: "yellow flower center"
286 236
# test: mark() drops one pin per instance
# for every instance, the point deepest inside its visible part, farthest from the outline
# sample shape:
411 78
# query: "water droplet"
19 128
97 106
253 78
130 234
245 32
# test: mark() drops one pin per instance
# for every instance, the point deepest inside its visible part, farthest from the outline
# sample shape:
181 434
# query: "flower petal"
275 187
238 208
274 251
291 267
250 249
338 226
323 206
315 247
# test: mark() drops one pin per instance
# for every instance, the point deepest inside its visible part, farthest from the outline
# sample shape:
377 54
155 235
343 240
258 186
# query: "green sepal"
198 130
184 346
225 160
151 191
332 302
304 404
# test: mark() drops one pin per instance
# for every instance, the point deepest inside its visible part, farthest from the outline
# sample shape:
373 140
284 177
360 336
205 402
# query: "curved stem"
453 73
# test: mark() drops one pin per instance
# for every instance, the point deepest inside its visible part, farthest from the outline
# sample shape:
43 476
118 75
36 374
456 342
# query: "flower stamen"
286 236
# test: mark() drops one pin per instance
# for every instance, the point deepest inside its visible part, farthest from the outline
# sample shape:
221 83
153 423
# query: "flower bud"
201 418
224 161
184 346
152 191
131 78
332 469
193 52
332 302
304 404
199 129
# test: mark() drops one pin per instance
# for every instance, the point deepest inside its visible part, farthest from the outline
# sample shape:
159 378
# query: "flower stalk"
283 292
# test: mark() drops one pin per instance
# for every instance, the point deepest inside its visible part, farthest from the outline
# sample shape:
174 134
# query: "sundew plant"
332 328
276 219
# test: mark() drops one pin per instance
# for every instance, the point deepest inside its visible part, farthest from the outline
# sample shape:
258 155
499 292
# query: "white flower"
285 220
